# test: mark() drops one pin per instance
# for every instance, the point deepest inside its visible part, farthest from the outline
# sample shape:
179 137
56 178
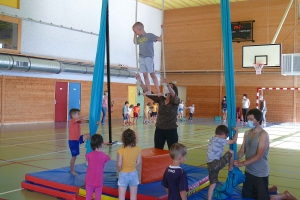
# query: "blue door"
74 96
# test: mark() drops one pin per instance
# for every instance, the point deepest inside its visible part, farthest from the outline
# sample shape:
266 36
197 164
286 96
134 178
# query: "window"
10 34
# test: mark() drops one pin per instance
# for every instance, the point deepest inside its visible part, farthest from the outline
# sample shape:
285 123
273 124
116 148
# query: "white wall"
45 40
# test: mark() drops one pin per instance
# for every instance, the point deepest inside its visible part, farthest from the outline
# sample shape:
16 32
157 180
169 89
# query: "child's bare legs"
211 191
147 82
155 81
122 192
133 192
72 165
230 165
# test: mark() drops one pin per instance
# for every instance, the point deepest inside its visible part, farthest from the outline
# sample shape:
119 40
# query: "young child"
96 161
146 54
192 112
215 160
146 113
154 111
128 113
180 109
75 139
136 112
129 157
124 113
175 178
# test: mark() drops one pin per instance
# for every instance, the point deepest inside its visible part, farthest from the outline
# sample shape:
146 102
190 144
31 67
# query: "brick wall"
32 99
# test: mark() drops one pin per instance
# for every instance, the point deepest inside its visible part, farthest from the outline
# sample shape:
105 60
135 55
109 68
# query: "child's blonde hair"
177 150
139 25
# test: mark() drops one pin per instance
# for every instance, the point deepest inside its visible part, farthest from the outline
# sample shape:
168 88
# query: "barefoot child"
129 157
136 112
215 160
146 54
75 139
146 113
94 175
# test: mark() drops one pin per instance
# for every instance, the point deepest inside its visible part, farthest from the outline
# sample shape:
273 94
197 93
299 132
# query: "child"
180 109
146 113
154 111
192 112
75 139
128 113
124 113
136 112
175 178
146 54
215 160
94 174
129 157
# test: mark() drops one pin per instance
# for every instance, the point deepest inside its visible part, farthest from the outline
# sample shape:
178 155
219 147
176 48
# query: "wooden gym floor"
38 147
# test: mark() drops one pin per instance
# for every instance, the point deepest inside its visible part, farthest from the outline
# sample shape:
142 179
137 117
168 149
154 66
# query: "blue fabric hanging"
235 176
229 68
98 77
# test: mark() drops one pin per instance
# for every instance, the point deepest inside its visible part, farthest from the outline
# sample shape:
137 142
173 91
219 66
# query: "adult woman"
104 107
245 107
166 127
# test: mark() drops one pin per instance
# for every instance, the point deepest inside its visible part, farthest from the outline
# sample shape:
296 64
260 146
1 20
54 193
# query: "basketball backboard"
267 54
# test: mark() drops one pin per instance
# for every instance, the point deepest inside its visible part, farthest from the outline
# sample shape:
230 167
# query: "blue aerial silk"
235 174
98 77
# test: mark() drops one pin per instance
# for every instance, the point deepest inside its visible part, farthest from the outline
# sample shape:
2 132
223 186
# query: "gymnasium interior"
47 57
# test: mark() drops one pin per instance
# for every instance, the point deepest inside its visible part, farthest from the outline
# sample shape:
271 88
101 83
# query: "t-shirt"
145 43
154 108
245 103
129 158
192 109
124 111
96 162
74 129
104 101
215 149
180 106
128 111
224 104
167 113
146 110
175 179
136 109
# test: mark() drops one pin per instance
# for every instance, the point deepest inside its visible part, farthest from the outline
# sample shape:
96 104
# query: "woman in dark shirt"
166 126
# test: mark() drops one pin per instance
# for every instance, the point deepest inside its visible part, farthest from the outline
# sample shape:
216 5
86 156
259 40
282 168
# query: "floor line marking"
11 191
34 156
32 136
44 141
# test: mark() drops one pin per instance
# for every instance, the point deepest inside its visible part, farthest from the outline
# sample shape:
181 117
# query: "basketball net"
258 67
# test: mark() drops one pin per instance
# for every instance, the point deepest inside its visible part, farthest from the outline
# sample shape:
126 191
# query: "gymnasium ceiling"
175 4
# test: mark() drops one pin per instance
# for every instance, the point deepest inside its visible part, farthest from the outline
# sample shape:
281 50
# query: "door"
61 92
74 96
182 96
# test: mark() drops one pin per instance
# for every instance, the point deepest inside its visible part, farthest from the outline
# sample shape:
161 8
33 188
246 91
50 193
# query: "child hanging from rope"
146 54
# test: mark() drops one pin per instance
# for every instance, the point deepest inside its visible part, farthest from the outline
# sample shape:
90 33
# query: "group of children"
126 112
129 157
181 107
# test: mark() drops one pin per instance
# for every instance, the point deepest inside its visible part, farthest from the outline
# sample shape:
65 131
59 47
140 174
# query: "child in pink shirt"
96 161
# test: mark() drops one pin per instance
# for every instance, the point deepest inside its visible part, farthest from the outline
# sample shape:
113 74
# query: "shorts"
125 117
180 109
224 110
135 115
256 187
128 179
154 113
74 146
146 65
215 166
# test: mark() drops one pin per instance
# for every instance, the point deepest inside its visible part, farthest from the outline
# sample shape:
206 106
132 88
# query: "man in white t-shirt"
245 107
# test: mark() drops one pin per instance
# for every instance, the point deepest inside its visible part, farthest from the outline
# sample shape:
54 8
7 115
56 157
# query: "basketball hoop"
258 67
